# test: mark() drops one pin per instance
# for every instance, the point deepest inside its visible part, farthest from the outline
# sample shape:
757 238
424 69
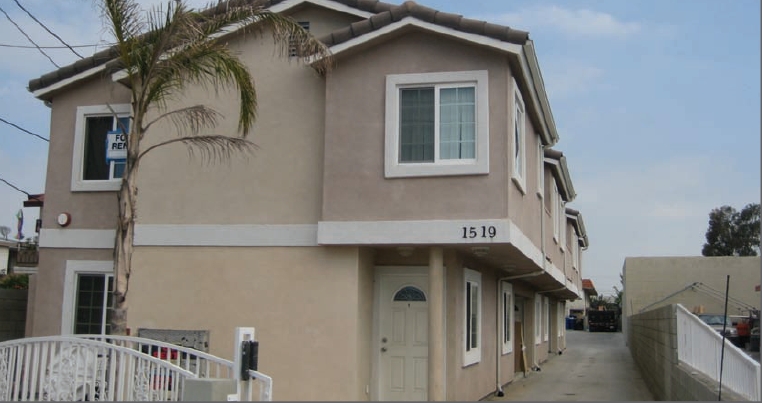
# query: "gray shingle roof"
384 14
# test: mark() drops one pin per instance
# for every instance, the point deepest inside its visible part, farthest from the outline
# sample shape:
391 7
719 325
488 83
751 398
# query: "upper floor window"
98 141
437 124
519 147
554 203
540 168
293 50
562 224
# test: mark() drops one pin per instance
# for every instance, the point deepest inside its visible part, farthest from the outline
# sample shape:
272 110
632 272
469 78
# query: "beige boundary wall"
652 339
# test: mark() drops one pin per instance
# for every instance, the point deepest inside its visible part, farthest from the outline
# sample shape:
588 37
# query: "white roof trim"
412 21
63 83
289 4
278 8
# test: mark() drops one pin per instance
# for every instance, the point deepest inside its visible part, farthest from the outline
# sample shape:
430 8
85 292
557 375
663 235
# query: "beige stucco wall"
649 279
305 304
354 183
90 210
280 182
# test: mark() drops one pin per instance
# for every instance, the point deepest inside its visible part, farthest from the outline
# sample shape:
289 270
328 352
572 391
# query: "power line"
20 190
27 37
5 45
22 129
49 31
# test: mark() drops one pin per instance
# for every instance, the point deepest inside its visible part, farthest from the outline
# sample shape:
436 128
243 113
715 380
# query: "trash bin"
754 342
570 322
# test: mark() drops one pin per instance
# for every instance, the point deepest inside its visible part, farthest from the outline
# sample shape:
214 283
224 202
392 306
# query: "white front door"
403 346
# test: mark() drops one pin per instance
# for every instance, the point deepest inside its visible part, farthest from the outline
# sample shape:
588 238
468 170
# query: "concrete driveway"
595 366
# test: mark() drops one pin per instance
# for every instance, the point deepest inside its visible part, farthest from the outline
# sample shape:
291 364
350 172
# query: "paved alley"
595 366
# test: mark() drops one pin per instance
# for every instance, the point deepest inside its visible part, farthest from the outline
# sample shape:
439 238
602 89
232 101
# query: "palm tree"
165 51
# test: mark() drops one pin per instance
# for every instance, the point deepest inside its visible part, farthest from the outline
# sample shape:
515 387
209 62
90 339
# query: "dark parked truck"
602 321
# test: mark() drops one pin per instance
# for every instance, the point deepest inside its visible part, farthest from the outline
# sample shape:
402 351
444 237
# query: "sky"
657 104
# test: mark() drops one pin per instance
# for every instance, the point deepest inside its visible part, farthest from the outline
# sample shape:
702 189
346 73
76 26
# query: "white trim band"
226 235
77 238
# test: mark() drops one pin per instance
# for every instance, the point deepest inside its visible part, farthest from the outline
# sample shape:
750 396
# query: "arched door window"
410 293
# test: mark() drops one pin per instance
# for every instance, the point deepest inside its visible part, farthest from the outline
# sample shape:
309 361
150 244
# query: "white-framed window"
537 318
540 168
545 318
91 169
574 249
506 307
554 201
560 319
437 124
472 329
518 173
562 224
88 286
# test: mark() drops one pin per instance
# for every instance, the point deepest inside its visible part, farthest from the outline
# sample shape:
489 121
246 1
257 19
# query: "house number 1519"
479 232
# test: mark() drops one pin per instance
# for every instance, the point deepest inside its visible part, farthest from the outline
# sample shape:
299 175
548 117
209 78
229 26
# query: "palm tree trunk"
125 235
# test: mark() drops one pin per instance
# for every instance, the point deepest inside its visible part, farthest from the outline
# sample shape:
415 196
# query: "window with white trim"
537 318
562 224
574 249
437 124
472 329
519 139
93 169
506 307
545 318
88 287
540 168
561 319
554 201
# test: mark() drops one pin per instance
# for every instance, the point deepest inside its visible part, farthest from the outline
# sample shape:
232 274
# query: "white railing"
201 364
65 368
700 347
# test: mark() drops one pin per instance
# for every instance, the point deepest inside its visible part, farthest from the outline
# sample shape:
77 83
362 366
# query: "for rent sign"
116 145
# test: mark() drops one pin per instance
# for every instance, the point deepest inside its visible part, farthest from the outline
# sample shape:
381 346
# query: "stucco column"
436 325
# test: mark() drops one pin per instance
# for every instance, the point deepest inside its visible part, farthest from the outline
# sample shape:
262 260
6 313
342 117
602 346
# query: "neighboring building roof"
587 285
560 171
35 200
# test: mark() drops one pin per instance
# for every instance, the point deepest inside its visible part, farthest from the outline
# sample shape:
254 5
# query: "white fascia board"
411 21
42 92
539 86
332 5
534 99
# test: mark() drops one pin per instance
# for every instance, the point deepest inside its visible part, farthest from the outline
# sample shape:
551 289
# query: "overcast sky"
657 103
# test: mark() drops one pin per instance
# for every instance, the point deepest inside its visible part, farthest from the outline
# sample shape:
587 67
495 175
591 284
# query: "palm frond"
211 148
193 119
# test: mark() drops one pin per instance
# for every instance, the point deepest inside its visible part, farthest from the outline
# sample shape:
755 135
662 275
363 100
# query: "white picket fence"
113 368
700 347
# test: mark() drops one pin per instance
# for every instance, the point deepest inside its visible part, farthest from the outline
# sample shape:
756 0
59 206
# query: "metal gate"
114 368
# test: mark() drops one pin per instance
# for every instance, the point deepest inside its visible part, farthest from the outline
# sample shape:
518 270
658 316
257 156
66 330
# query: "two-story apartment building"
401 233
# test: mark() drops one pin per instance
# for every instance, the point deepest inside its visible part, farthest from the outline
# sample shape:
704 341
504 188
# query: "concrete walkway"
594 367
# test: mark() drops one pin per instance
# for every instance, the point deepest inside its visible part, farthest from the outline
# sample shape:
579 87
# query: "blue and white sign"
116 145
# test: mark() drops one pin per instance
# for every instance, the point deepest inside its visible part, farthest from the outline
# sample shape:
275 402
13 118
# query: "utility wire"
49 31
20 190
5 45
27 37
22 129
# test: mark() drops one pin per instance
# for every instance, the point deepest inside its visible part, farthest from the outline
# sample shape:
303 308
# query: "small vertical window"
540 168
545 318
293 46
472 319
554 209
519 139
537 318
